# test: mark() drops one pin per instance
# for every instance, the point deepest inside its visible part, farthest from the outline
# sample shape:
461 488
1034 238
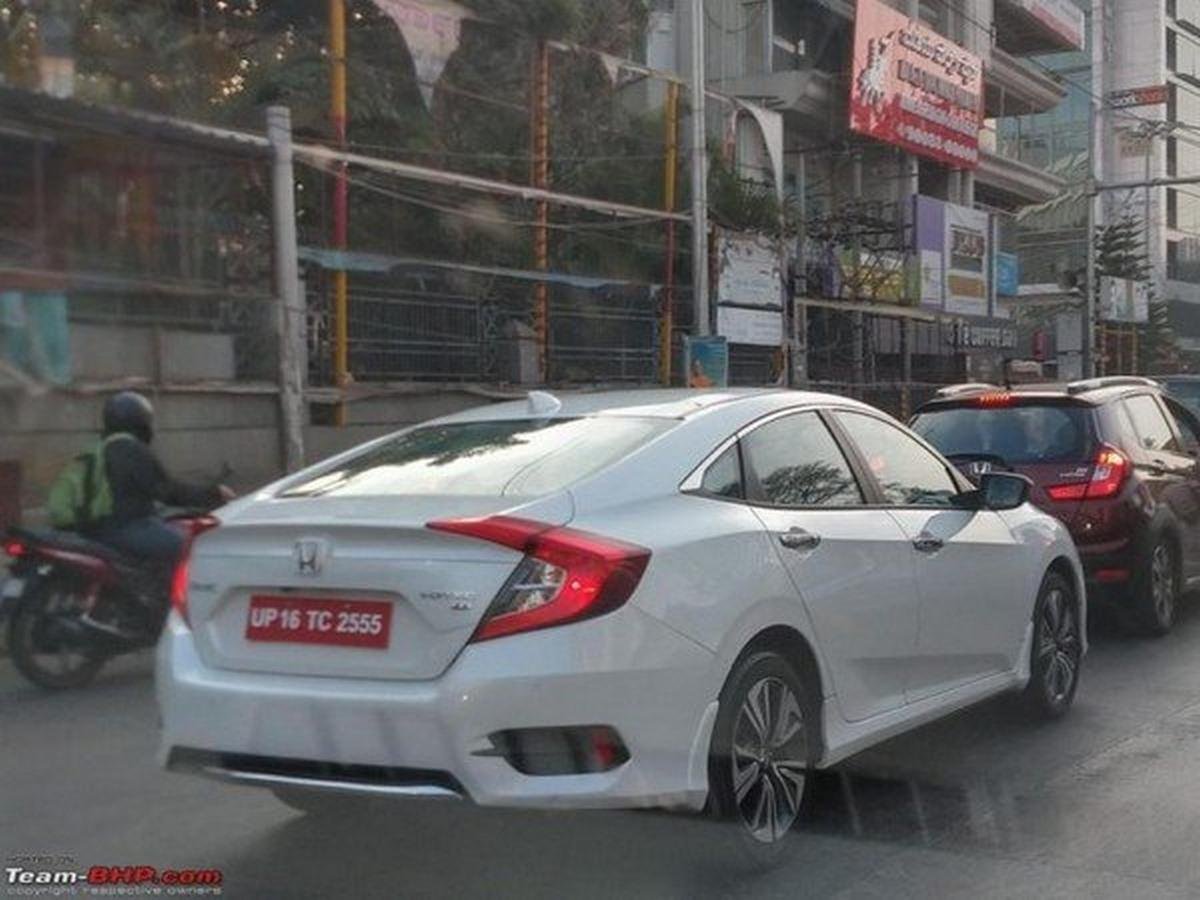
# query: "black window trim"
868 485
692 483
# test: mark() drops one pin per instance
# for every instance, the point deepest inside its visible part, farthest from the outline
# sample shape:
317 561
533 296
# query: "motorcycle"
72 604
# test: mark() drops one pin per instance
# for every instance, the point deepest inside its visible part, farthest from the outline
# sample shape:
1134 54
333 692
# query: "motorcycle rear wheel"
54 664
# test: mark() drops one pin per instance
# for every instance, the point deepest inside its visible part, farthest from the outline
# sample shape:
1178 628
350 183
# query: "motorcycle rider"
138 482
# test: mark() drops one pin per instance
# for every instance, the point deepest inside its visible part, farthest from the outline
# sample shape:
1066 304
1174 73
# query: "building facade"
920 200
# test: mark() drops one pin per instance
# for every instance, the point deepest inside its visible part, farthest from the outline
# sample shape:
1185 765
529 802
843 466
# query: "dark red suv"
1116 459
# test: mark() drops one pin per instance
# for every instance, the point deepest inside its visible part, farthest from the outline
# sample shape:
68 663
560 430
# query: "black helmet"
131 413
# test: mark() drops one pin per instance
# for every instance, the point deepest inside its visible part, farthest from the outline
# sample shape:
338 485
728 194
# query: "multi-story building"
798 58
1138 85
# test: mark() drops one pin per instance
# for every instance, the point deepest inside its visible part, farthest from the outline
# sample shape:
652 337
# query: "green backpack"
81 495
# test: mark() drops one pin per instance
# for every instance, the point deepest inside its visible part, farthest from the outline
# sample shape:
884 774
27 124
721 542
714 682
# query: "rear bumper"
626 670
1108 568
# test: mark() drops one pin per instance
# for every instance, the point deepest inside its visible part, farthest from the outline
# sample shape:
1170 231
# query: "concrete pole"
341 202
290 312
856 318
666 316
699 150
539 128
1095 175
799 294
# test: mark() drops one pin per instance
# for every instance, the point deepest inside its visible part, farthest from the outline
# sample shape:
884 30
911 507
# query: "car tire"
1155 599
764 745
1057 649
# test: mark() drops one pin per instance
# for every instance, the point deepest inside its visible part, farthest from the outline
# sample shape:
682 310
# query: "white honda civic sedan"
657 598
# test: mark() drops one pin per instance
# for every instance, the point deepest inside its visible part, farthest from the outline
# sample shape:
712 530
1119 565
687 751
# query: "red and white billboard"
913 88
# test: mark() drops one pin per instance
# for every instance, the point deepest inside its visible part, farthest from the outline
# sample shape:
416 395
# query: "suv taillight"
1109 471
179 579
566 575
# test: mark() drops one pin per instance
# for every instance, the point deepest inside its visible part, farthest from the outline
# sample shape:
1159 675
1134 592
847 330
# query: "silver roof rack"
1092 384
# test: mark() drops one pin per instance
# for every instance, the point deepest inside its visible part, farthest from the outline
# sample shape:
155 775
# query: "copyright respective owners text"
61 875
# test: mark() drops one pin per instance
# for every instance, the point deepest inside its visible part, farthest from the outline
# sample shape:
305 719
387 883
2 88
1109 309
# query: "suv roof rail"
1092 384
954 390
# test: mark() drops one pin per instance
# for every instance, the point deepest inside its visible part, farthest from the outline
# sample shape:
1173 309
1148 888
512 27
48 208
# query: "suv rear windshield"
1027 434
518 457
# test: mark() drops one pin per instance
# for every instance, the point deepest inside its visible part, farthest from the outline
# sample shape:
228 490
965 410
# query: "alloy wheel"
1059 646
1162 584
769 759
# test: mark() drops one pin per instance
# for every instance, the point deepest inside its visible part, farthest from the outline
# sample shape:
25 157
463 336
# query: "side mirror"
1003 490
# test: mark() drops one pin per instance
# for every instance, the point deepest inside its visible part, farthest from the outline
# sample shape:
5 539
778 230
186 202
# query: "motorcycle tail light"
567 575
193 528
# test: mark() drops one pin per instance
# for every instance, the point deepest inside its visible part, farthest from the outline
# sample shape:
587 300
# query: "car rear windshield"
520 457
1027 434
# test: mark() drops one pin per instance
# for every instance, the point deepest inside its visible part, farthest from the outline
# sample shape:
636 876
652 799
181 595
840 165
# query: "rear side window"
1150 427
519 458
1026 434
724 476
798 464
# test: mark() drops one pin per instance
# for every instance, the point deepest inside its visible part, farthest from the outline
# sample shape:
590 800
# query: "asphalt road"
985 804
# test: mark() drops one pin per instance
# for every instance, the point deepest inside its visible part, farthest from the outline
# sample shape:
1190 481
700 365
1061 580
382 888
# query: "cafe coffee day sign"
913 88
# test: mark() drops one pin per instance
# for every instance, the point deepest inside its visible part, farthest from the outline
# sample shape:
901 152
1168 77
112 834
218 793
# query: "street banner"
929 229
706 361
914 89
432 29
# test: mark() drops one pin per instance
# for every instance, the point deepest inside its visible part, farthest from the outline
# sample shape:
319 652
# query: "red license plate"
311 620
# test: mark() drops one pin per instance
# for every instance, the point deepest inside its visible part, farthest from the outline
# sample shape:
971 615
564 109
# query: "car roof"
662 403
1092 392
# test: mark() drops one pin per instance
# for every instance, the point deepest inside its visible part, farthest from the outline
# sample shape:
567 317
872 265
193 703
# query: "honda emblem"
980 467
310 556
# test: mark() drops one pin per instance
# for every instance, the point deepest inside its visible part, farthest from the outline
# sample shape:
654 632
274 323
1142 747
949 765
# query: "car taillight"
14 548
566 575
1109 471
193 528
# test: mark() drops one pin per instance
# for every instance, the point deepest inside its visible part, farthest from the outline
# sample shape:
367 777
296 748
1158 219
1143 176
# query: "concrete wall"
198 433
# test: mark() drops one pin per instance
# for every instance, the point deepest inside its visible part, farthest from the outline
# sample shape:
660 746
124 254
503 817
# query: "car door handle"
927 543
799 539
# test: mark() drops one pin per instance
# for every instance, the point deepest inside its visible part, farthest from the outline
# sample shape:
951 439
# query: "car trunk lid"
348 555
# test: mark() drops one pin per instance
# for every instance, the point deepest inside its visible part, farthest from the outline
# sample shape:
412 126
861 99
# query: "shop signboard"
966 261
750 289
913 88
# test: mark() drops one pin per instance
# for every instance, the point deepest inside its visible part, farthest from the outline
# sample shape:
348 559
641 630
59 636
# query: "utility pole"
800 291
539 128
699 175
1096 101
290 303
341 201
666 318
